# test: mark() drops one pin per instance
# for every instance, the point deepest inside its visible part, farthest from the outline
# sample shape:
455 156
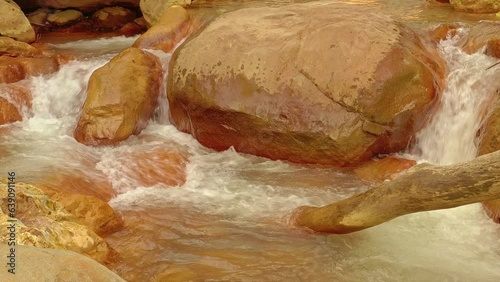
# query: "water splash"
451 135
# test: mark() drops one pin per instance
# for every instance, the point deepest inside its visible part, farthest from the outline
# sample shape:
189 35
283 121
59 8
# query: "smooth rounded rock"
121 97
13 22
321 82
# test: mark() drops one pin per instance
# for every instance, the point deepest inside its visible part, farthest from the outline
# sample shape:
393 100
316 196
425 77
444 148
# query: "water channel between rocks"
227 222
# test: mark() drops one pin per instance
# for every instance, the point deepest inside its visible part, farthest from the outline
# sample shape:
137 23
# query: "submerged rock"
14 100
320 82
121 97
39 264
168 31
481 35
383 169
152 10
15 69
476 6
13 22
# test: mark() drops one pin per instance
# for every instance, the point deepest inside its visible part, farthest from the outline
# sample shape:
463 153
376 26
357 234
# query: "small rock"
64 18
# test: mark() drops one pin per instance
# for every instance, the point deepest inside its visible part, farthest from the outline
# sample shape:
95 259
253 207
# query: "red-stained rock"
492 209
310 83
493 48
13 99
383 169
15 69
481 35
169 30
121 97
148 166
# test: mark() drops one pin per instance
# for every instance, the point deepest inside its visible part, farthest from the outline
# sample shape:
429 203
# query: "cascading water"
451 136
226 222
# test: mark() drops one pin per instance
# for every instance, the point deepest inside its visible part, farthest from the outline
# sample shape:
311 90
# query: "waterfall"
451 135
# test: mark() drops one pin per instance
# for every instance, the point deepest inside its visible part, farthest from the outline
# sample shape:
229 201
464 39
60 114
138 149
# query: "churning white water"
226 222
451 136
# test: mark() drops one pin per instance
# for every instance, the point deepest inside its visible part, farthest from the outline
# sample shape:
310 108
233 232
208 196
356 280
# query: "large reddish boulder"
321 82
121 97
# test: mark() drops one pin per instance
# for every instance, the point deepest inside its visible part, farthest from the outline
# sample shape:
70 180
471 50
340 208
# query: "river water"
228 221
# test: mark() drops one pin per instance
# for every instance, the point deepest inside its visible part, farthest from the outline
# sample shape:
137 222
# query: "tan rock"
40 264
319 82
13 22
64 18
43 222
168 31
83 4
14 48
152 10
39 17
121 97
14 100
476 6
110 18
88 210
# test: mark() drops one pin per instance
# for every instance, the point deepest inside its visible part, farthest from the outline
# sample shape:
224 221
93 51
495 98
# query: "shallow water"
228 221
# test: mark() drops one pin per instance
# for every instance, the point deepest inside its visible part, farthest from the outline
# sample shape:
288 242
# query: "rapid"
228 221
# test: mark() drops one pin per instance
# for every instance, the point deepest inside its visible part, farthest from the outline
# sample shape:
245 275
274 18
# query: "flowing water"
228 221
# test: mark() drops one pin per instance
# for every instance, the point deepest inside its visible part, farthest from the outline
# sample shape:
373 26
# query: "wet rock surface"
283 101
121 97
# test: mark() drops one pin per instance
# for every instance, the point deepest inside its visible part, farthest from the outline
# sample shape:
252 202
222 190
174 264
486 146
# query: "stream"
228 222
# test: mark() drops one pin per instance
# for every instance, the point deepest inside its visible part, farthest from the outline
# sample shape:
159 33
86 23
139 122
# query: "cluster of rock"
47 218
